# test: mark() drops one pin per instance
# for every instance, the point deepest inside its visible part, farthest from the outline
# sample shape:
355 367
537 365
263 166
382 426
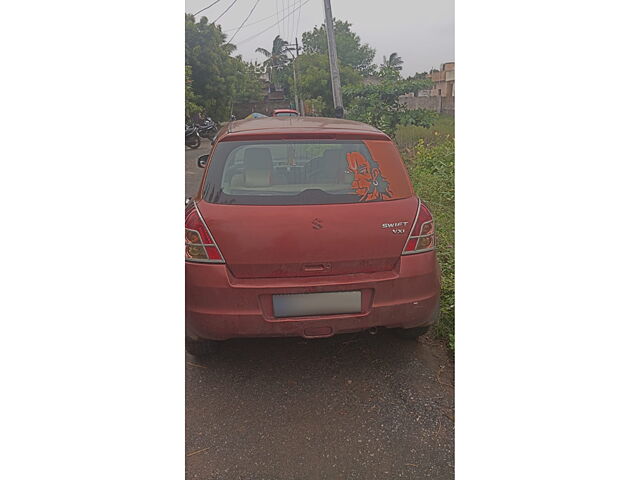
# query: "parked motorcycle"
208 129
191 136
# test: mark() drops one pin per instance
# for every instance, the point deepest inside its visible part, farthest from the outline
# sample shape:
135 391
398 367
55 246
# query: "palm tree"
394 62
277 57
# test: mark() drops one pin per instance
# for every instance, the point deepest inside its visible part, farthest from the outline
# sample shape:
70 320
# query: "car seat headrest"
258 165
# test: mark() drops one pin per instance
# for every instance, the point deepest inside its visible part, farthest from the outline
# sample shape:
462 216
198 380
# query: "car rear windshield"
305 172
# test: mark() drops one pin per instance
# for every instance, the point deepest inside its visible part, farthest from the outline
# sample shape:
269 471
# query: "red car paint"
276 249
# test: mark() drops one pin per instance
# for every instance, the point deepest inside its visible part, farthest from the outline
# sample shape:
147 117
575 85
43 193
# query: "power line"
281 26
270 26
254 23
200 11
288 20
278 15
282 15
291 20
228 8
245 21
298 24
262 19
285 23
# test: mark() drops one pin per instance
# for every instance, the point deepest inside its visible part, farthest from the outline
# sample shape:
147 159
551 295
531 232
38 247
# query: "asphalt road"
354 406
193 174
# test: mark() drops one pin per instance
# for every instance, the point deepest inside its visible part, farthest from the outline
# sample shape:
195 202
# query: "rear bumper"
220 306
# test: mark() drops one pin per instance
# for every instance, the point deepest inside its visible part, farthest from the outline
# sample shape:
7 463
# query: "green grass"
408 136
431 167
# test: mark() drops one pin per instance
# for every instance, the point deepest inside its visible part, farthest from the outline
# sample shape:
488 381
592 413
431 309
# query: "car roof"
299 126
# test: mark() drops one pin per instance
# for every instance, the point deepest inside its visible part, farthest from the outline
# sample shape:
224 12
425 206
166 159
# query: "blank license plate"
305 304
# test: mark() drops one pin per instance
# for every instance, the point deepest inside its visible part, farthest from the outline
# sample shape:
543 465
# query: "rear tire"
411 332
200 348
193 142
419 331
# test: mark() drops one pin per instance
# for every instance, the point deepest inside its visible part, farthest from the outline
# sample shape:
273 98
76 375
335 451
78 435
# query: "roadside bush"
379 104
432 172
441 129
407 136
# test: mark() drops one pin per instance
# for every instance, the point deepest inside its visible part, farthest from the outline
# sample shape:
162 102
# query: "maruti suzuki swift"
306 226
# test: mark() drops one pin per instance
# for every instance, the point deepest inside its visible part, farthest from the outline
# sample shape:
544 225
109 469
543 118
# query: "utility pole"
333 58
299 104
295 85
301 109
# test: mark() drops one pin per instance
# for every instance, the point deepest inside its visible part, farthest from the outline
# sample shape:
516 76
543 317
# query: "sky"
420 31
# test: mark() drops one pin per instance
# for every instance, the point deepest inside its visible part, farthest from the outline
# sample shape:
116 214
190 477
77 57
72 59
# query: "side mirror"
202 160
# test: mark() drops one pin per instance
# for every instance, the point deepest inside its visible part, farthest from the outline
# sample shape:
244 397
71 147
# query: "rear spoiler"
311 134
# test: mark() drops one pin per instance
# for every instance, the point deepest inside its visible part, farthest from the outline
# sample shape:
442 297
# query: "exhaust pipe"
373 330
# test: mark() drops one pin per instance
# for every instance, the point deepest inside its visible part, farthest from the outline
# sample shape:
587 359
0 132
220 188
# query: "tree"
379 105
217 78
248 85
276 58
315 106
390 67
418 76
314 79
190 101
393 62
350 50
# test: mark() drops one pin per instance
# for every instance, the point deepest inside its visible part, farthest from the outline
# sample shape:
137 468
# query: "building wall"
438 104
448 105
443 81
448 67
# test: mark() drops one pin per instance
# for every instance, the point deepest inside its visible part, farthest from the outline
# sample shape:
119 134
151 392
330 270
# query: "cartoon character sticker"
368 181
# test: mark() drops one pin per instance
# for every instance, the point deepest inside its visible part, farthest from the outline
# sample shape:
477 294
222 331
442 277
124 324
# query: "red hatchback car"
306 227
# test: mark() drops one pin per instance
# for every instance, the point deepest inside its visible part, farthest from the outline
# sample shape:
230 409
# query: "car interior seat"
330 167
258 167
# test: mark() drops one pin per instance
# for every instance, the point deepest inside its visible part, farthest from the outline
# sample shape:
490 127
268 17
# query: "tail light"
422 237
198 241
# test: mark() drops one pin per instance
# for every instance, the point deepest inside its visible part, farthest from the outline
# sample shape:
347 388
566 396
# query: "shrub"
407 136
432 172
379 104
440 129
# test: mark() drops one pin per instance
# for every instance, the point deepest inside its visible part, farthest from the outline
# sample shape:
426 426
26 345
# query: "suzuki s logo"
396 227
316 223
